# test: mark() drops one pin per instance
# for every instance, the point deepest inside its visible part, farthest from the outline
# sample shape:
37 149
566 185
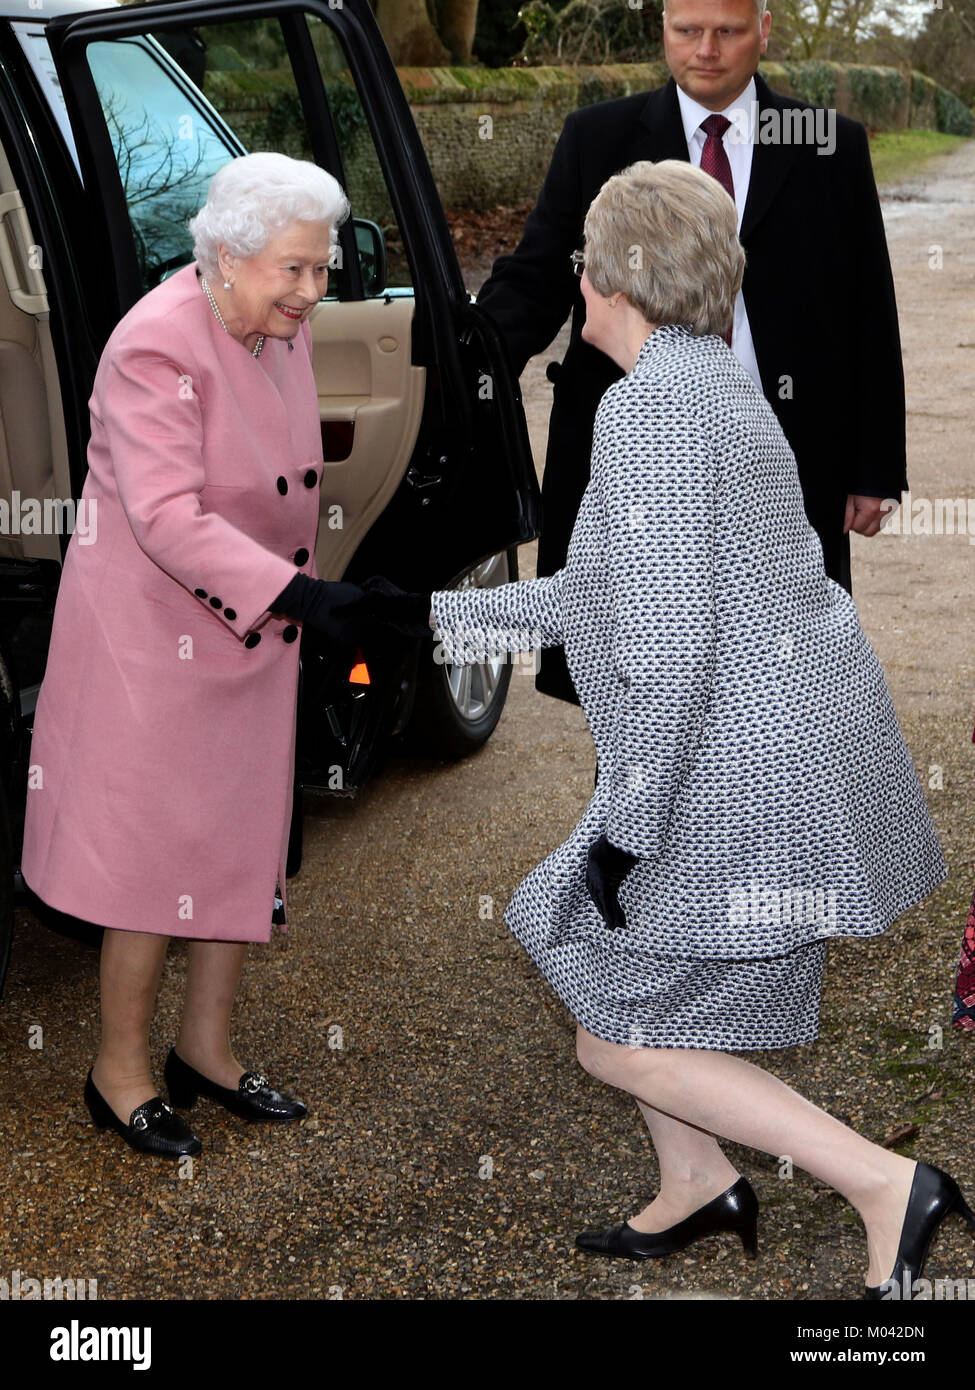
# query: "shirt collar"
693 113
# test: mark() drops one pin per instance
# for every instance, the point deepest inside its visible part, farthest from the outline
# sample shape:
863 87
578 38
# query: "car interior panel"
365 380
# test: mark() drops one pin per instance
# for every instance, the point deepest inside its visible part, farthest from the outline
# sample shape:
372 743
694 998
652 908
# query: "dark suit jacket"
817 288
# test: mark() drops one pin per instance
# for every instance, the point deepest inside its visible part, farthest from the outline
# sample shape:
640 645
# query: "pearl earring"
227 285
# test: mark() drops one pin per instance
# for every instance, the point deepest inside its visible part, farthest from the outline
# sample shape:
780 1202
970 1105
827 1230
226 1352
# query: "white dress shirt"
738 144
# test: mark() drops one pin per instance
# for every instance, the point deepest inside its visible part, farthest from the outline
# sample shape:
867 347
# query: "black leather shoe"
253 1099
735 1210
152 1127
934 1195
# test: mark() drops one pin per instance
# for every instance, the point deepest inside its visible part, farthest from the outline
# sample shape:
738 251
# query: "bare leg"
693 1170
131 964
728 1096
204 1033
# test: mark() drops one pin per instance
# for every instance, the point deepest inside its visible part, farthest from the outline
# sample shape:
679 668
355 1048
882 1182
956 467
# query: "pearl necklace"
256 349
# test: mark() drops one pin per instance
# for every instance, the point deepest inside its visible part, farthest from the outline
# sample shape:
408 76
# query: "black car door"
452 479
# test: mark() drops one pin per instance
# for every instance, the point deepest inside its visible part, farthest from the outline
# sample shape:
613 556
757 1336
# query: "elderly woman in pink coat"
163 749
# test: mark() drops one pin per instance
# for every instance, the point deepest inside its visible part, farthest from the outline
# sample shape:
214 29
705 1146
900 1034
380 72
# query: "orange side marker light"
359 675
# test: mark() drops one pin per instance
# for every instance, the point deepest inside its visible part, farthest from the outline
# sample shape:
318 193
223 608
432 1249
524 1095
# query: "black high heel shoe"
253 1099
152 1127
934 1195
735 1210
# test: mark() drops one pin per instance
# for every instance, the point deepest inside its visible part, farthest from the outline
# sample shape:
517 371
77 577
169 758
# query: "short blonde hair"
760 7
665 235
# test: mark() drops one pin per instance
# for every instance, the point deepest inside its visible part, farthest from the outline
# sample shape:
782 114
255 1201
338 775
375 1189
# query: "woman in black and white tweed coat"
754 794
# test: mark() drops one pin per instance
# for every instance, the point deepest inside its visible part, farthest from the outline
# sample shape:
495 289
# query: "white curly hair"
255 195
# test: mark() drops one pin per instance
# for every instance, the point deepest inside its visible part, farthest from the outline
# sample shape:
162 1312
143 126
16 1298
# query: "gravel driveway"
453 1146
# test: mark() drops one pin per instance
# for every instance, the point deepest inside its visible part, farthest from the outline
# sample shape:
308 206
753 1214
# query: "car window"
245 73
35 46
178 104
365 183
167 148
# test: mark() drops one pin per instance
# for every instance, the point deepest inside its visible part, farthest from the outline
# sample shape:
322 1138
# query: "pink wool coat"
163 748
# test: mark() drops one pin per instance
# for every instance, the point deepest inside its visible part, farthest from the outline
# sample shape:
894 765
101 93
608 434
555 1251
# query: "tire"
456 708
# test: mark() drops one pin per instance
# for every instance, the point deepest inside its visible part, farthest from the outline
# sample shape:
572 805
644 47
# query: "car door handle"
422 480
18 231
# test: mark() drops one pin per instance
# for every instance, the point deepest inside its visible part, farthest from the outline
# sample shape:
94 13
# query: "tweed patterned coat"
748 749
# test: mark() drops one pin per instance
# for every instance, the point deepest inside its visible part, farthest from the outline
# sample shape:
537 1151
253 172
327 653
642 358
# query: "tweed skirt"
642 1001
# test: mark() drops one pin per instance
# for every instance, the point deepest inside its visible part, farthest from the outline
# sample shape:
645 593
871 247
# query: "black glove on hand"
406 613
352 613
606 868
340 611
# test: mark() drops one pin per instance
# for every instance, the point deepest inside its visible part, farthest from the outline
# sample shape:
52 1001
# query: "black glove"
606 868
406 613
340 611
353 613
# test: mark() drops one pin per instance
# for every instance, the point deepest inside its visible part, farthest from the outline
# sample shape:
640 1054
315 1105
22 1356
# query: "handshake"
349 614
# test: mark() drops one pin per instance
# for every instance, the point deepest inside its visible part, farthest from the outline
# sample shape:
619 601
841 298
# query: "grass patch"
905 1059
898 154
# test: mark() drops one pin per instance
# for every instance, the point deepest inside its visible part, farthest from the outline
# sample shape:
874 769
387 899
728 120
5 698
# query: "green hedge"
814 81
953 116
882 98
527 108
877 93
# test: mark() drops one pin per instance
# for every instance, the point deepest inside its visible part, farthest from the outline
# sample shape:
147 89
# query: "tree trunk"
458 22
410 37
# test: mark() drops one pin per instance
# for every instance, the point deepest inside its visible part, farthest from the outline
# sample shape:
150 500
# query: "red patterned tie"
714 161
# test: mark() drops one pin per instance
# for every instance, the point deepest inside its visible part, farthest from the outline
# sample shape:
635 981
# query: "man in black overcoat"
816 322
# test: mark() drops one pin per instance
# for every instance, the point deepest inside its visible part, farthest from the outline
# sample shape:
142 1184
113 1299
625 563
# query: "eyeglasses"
578 262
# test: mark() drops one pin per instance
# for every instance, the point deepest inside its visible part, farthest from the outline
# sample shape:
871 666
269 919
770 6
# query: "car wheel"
456 708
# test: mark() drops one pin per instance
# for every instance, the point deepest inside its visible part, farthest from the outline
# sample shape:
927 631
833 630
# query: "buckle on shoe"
159 1108
254 1083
